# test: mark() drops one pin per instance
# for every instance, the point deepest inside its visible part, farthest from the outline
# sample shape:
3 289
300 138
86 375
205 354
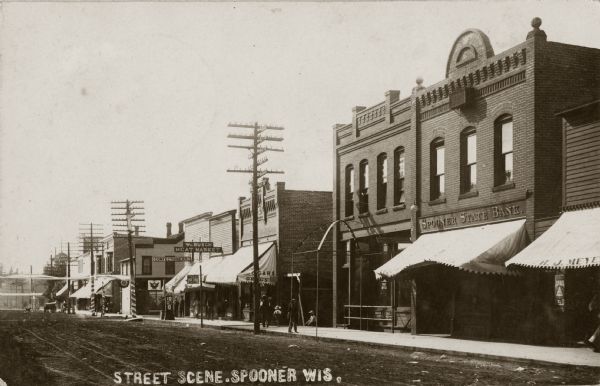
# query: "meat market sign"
472 216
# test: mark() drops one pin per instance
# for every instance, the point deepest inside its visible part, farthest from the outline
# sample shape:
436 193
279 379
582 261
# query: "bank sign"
468 217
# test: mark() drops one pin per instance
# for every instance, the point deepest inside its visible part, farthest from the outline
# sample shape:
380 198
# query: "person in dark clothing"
594 308
293 315
265 310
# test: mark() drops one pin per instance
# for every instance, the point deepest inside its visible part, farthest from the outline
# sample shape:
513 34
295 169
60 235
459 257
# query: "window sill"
381 211
471 194
348 218
437 201
507 186
398 207
363 215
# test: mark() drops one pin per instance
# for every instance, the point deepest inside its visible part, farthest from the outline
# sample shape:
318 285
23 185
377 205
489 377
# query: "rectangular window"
109 261
469 162
381 181
507 150
169 267
348 251
349 189
438 170
146 265
98 264
363 202
399 173
504 151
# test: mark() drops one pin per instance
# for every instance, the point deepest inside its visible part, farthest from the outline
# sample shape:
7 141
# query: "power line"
257 137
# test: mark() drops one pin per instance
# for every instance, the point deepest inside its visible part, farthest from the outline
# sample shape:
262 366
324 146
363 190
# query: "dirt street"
58 349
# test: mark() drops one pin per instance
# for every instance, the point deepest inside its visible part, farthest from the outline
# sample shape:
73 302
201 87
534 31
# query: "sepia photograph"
299 192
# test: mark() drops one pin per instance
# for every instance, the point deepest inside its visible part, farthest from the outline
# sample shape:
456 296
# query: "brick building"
442 187
156 262
293 221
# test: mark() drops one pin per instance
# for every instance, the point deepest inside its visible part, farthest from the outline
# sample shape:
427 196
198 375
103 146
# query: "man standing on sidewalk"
293 316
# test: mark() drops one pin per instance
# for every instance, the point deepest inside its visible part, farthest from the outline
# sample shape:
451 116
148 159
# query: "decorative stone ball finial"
537 33
419 81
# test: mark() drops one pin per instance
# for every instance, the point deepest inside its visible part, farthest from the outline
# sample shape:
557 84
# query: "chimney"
137 230
180 227
169 229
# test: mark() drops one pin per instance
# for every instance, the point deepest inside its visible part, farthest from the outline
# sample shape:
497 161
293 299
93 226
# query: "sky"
131 100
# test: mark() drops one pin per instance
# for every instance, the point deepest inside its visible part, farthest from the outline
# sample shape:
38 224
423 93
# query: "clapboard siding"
582 162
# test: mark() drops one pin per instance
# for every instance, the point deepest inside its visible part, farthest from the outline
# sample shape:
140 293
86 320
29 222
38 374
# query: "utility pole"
87 236
257 138
123 218
68 278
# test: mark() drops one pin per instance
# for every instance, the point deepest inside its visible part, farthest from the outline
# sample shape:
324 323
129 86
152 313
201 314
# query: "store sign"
155 285
158 259
198 249
269 277
472 216
193 279
559 290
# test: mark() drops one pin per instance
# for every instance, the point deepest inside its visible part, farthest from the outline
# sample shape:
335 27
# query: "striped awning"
478 249
573 241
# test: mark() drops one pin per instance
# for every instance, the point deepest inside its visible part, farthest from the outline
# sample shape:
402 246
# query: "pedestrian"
594 307
293 315
277 314
264 310
312 319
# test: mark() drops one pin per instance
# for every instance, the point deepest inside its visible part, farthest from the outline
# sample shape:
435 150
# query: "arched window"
437 175
503 150
363 187
399 173
468 160
349 190
382 178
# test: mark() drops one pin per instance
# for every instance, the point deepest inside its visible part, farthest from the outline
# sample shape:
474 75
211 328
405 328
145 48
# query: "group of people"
267 312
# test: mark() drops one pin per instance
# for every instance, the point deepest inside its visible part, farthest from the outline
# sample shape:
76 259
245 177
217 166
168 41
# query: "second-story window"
169 267
399 173
382 180
349 190
98 264
109 261
438 160
146 265
503 150
468 160
363 190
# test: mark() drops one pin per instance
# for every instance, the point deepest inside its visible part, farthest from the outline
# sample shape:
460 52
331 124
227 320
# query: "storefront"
458 282
232 278
565 260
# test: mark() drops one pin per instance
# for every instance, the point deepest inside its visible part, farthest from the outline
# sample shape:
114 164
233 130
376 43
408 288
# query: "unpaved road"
58 349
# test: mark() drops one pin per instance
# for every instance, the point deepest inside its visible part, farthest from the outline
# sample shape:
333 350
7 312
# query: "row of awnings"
227 270
572 242
100 284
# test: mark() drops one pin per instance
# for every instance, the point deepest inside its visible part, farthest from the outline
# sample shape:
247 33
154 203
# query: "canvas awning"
62 291
480 249
267 272
227 271
85 292
194 270
572 242
179 277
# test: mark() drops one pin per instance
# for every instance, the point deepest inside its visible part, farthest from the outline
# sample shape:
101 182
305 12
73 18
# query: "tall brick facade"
295 220
526 85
